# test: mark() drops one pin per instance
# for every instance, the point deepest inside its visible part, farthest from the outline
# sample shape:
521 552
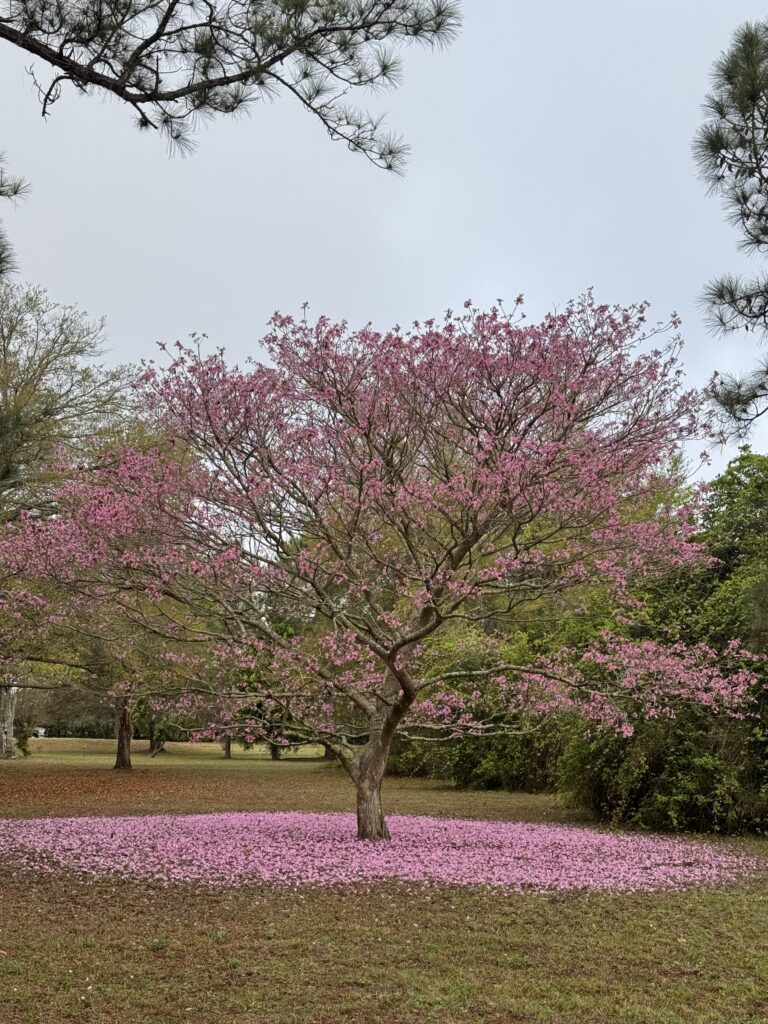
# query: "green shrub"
695 772
527 762
22 735
692 773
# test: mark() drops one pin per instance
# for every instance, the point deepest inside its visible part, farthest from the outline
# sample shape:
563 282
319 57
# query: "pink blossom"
297 849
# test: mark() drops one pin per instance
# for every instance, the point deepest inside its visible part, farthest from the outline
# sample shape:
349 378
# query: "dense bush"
527 762
85 725
692 773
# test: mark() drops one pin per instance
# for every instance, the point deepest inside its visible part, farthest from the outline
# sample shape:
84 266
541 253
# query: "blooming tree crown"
323 516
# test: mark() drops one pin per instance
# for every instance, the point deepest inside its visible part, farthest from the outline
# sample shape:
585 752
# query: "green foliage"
21 736
686 774
736 520
420 759
695 772
730 152
11 187
526 762
87 726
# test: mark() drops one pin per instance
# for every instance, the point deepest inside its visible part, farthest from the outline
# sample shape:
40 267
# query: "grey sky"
551 151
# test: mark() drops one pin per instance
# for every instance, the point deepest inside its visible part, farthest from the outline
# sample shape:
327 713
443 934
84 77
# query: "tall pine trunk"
124 734
8 696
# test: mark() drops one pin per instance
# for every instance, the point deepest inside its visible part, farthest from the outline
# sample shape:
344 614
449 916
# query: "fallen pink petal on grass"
294 849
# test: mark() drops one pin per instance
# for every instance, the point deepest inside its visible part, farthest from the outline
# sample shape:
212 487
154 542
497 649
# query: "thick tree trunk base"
371 824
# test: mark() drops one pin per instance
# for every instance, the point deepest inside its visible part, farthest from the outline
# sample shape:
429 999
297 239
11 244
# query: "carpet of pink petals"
295 849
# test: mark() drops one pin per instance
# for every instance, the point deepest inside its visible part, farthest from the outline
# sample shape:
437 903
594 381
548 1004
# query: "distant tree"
176 62
9 692
55 400
736 533
731 151
54 397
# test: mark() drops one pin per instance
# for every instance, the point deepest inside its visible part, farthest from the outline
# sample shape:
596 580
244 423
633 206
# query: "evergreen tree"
11 187
731 151
176 62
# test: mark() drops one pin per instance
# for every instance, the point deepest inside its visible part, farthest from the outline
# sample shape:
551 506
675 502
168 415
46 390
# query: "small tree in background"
55 402
377 490
54 397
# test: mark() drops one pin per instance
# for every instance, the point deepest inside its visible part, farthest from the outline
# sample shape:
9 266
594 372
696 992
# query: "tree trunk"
124 733
368 764
368 774
275 751
8 696
329 754
226 746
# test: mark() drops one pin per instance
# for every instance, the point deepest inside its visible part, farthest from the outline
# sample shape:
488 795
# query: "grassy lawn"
67 777
108 952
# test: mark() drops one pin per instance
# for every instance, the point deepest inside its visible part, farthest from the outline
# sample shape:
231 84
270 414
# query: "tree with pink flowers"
314 526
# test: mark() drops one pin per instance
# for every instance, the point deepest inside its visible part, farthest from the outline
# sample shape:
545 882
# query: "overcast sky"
550 153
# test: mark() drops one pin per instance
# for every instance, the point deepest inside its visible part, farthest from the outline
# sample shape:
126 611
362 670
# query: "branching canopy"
53 398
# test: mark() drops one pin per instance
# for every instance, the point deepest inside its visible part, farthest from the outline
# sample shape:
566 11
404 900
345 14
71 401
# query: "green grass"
111 952
101 753
68 777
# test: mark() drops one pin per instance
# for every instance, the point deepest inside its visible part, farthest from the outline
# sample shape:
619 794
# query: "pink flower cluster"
296 849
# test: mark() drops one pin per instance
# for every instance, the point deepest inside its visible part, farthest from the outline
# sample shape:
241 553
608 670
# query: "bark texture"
8 695
124 734
371 766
